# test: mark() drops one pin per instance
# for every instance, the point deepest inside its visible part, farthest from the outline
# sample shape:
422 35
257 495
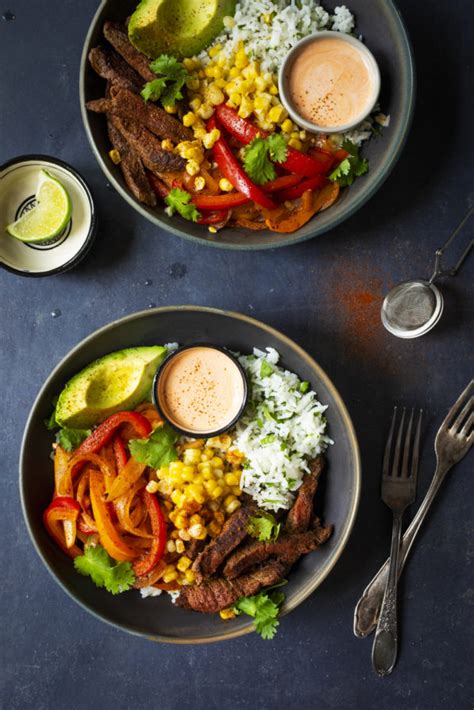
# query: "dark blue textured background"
56 656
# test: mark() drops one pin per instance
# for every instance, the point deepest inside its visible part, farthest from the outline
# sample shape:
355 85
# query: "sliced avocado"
113 383
181 28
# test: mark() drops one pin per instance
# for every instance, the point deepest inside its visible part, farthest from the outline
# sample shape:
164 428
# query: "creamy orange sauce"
331 83
201 390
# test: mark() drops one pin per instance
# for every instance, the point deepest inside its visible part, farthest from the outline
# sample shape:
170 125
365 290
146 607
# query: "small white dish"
18 183
286 69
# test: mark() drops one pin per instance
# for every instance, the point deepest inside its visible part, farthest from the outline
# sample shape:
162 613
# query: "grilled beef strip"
217 594
118 38
231 535
110 66
127 105
131 166
287 547
301 512
148 148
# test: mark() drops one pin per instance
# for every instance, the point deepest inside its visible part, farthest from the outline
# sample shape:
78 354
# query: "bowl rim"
92 231
399 142
313 583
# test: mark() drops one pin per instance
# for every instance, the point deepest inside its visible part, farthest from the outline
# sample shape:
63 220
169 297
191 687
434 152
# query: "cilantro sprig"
258 157
166 88
351 167
158 450
180 201
264 527
70 439
116 577
264 607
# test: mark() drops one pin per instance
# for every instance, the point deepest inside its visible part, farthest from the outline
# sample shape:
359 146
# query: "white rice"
281 431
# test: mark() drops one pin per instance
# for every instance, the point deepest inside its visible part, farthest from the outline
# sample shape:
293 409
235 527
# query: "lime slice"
50 215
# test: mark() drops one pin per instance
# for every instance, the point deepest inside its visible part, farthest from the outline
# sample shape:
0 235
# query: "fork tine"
464 412
454 409
406 447
388 446
416 448
467 426
398 446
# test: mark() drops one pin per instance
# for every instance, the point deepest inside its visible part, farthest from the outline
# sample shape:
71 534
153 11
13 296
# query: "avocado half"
116 382
181 28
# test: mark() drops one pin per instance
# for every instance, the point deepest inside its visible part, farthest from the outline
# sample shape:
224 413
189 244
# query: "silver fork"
398 492
453 441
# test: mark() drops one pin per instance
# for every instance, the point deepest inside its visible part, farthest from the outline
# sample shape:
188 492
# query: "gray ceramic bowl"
384 32
156 618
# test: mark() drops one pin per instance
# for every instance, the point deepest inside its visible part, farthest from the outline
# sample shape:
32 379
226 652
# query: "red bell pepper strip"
158 187
120 452
219 202
62 508
296 161
214 217
341 155
158 527
105 431
281 183
233 171
294 192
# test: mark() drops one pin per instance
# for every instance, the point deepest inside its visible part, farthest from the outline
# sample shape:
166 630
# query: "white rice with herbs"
282 430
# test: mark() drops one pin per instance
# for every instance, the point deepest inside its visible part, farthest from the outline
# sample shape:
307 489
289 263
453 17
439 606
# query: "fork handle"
384 650
368 607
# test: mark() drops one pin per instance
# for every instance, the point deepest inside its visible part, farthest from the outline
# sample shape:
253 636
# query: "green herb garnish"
351 167
266 369
167 87
180 201
70 439
264 527
259 154
158 450
264 608
104 571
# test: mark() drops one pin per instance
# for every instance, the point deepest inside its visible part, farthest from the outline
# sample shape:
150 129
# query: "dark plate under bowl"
383 30
156 618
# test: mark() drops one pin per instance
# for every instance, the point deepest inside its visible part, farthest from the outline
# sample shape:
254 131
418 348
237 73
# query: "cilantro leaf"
266 369
180 201
167 87
104 571
153 89
351 167
264 608
70 439
304 386
169 67
268 439
50 422
277 147
264 527
158 450
257 164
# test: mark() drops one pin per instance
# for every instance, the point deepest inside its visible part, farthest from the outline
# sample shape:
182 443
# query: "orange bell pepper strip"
109 537
129 474
63 485
122 507
63 509
295 219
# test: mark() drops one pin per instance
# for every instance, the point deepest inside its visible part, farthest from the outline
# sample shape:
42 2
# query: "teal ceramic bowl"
382 27
156 618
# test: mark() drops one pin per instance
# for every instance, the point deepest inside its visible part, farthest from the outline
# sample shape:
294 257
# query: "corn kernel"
195 519
226 186
183 563
181 521
165 488
273 90
192 167
217 492
227 614
246 107
170 577
210 138
275 114
152 487
191 456
234 457
214 51
250 71
184 535
236 490
193 83
287 126
170 546
174 534
261 103
233 506
114 156
214 528
190 63
205 111
190 576
212 230
231 479
295 143
168 569
198 532
180 547
210 485
197 492
171 109
167 144
234 72
241 59
195 103
189 119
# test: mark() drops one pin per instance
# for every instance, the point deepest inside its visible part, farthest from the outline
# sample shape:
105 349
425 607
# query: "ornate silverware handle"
368 608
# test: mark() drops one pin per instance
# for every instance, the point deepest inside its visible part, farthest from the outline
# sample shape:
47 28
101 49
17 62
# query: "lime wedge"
50 215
